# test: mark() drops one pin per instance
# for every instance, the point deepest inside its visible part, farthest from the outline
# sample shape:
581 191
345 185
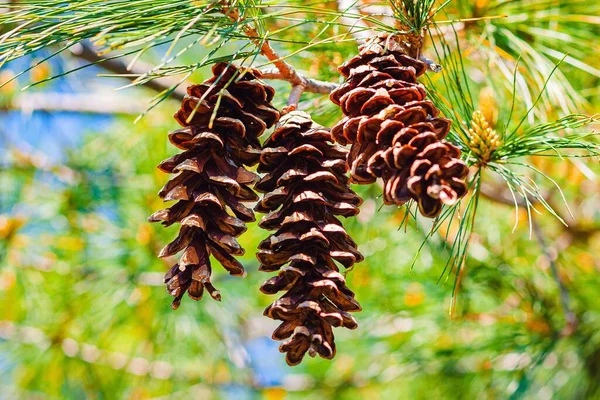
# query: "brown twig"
295 95
311 85
300 83
287 71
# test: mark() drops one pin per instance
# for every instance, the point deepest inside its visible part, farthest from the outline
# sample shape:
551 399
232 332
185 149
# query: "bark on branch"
311 85
286 71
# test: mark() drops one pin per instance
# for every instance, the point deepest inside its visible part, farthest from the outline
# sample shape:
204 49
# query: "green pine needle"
452 95
415 14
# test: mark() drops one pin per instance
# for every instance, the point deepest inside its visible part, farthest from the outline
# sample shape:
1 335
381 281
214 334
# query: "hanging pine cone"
394 132
306 188
222 120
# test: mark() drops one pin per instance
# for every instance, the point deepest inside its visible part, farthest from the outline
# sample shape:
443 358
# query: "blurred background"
84 312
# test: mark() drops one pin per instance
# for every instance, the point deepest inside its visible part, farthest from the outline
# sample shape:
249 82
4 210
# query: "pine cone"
394 132
222 120
306 188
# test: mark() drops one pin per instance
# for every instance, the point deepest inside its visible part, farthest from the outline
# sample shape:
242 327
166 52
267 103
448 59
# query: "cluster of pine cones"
394 133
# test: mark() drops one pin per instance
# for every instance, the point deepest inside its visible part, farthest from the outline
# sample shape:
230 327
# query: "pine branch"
136 26
88 53
287 71
564 26
300 83
311 85
364 33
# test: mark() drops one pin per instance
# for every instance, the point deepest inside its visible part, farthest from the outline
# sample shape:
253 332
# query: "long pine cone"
394 132
222 119
306 189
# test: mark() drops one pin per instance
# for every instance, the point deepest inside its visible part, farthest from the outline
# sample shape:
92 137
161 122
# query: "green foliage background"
84 313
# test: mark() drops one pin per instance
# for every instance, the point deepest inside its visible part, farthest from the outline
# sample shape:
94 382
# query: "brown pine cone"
222 120
394 132
306 188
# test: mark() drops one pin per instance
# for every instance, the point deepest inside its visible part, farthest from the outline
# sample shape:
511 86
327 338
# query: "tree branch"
282 71
311 85
295 95
287 71
300 83
88 53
